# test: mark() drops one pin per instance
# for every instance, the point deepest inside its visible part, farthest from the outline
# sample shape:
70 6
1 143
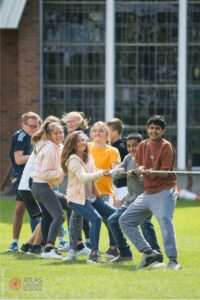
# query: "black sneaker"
148 259
24 248
112 253
95 258
35 249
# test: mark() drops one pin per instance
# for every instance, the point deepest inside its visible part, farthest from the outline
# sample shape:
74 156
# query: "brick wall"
20 71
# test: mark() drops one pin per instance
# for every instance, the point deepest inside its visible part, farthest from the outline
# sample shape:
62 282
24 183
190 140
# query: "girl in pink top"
82 194
47 174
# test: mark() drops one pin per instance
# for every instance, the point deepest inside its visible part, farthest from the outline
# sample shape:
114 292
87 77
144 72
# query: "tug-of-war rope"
172 172
182 193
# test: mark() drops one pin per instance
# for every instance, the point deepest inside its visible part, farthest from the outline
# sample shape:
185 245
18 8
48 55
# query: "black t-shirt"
121 146
21 141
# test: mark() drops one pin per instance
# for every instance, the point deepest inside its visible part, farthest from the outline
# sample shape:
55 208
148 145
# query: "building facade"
128 59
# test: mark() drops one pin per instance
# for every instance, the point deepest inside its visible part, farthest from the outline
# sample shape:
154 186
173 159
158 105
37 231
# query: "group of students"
100 171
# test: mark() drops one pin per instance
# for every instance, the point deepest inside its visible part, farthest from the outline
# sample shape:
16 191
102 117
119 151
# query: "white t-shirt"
29 168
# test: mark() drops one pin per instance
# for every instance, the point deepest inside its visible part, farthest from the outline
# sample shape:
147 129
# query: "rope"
172 172
163 172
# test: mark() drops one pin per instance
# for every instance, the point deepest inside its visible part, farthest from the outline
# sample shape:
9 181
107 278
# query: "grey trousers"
162 206
49 200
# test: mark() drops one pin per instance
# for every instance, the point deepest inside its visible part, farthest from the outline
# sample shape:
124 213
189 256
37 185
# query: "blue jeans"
89 213
147 230
114 227
106 210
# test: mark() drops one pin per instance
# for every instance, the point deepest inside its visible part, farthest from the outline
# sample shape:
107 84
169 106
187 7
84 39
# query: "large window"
193 104
146 62
74 57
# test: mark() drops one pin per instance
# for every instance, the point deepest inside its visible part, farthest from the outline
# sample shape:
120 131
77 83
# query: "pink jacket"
80 174
48 164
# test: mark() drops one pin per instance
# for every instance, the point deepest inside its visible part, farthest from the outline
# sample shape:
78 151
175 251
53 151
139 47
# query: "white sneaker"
173 265
149 259
51 254
71 256
63 246
157 265
83 252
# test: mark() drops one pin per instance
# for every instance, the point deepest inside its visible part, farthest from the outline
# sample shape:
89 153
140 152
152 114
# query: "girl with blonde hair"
105 157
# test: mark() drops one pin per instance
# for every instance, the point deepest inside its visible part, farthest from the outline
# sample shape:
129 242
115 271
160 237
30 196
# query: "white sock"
15 241
60 238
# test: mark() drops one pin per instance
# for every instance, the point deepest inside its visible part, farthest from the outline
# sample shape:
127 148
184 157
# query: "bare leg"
18 219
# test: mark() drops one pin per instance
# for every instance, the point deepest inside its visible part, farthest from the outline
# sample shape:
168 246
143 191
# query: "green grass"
123 281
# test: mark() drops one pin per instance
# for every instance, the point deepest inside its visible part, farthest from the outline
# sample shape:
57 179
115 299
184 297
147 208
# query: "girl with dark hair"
75 120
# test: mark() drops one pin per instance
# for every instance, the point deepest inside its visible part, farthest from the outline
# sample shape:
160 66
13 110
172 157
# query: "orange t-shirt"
160 156
103 159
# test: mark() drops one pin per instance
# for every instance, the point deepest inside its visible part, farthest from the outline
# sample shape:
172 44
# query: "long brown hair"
70 148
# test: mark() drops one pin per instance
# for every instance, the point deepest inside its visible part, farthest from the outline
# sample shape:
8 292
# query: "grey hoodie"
134 183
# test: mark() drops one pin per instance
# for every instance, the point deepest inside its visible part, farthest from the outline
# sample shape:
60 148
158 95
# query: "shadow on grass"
187 203
7 209
29 257
127 267
20 256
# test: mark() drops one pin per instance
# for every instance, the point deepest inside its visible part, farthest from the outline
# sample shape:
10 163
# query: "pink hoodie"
48 164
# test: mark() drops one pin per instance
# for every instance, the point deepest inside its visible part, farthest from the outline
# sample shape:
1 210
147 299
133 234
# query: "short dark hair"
157 120
116 124
135 136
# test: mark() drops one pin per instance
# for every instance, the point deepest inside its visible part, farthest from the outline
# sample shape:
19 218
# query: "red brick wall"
20 71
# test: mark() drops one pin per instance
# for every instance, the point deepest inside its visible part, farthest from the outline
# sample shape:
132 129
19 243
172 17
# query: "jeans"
105 209
117 233
147 230
89 213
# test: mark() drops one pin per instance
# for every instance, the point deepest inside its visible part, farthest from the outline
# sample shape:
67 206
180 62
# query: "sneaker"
83 252
95 258
71 256
121 259
148 259
112 253
157 265
87 244
63 246
24 248
13 247
35 249
173 265
51 254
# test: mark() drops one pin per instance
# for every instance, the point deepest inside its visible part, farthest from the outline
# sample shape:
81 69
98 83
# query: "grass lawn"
49 279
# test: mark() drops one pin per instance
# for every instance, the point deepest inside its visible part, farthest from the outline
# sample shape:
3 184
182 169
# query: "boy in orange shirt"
159 195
